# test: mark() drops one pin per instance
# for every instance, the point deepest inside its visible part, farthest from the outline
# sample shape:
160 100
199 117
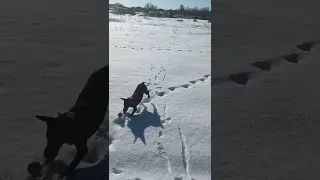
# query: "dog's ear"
123 99
45 118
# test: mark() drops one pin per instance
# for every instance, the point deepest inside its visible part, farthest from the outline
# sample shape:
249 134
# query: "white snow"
49 48
167 54
268 128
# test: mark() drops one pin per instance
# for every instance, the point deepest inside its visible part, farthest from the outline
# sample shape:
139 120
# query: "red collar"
67 115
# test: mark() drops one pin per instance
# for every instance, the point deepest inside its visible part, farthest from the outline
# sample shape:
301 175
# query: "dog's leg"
82 150
124 110
144 107
134 110
50 153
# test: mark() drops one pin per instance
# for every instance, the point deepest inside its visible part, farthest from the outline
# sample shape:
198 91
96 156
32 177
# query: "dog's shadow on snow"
95 172
139 123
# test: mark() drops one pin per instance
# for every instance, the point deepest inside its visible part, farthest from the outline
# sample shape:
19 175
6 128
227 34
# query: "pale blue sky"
165 4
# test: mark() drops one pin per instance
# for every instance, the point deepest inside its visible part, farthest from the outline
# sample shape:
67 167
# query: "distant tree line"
153 11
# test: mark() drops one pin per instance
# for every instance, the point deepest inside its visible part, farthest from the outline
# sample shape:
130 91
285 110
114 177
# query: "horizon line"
162 8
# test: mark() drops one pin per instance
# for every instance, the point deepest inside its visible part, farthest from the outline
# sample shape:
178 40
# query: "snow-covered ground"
171 139
47 51
49 48
268 128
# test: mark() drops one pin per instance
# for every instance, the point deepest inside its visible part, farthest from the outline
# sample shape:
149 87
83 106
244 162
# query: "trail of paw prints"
243 77
159 49
129 47
183 86
164 155
181 178
156 82
268 65
166 120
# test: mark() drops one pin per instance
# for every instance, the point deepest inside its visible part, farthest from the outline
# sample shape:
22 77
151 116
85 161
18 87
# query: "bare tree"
181 7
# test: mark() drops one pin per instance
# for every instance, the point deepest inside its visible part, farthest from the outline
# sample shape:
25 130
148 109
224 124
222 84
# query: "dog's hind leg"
82 150
144 107
134 110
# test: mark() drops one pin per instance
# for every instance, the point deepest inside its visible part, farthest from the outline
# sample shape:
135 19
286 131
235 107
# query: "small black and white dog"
77 125
135 99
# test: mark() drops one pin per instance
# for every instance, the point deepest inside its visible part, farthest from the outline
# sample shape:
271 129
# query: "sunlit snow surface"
170 139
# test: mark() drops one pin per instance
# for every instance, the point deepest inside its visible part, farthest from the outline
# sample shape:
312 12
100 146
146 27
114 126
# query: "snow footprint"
166 119
161 94
193 82
160 134
185 86
205 77
164 155
156 83
117 171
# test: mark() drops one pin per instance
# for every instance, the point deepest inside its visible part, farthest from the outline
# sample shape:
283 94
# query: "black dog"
80 122
135 99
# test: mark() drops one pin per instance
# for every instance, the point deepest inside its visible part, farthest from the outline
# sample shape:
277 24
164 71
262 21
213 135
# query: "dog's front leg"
82 150
134 110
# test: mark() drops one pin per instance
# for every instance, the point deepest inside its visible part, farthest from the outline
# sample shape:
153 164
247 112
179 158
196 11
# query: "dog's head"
56 135
144 88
